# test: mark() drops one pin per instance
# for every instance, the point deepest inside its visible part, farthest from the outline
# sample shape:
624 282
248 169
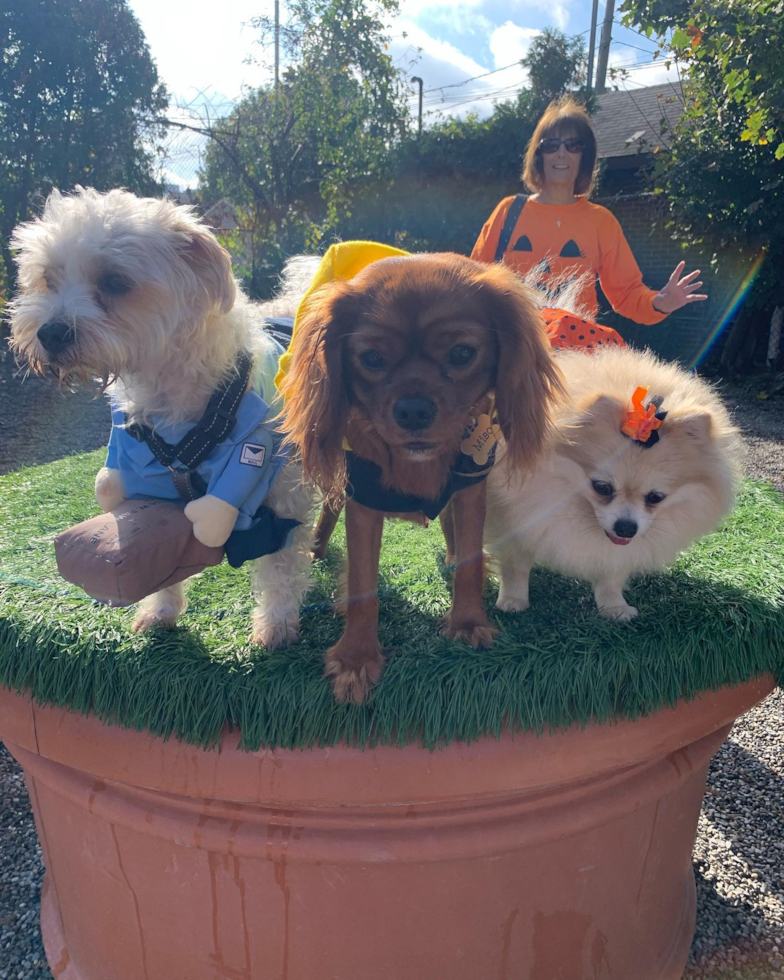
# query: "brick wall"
446 214
682 335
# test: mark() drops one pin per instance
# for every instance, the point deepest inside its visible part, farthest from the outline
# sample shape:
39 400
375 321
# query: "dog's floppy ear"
315 389
528 381
210 263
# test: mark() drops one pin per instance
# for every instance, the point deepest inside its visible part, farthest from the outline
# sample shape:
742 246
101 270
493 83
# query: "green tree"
723 179
287 159
556 64
79 96
492 148
444 183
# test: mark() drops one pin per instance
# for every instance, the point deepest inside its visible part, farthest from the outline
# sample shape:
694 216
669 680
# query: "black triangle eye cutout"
523 244
571 250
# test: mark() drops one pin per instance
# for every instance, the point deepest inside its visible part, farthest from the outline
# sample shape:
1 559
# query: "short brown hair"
562 116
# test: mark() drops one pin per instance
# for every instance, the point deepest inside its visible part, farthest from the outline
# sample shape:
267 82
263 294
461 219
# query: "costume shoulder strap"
514 212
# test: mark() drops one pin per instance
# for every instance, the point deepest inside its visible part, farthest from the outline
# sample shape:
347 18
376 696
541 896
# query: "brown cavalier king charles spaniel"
396 363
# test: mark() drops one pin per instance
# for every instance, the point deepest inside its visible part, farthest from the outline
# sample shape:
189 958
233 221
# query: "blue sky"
202 51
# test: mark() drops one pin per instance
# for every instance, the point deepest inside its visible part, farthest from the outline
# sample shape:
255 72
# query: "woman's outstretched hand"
678 292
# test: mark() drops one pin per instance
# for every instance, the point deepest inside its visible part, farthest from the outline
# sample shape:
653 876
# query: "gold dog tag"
480 436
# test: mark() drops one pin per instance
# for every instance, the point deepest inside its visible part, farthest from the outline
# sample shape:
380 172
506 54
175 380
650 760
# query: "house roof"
221 216
630 122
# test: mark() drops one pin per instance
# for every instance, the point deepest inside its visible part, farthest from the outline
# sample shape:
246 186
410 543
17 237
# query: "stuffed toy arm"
243 475
213 519
109 489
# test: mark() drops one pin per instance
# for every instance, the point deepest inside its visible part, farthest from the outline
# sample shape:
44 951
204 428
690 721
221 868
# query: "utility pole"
416 78
604 46
592 43
277 51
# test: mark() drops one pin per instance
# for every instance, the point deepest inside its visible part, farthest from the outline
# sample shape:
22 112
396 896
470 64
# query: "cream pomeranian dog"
138 293
601 505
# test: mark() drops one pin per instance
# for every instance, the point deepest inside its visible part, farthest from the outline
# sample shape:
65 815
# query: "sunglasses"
573 145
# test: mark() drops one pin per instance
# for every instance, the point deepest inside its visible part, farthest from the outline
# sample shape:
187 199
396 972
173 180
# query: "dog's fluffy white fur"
555 517
154 312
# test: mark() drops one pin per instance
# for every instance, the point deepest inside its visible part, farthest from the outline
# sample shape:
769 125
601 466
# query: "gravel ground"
739 854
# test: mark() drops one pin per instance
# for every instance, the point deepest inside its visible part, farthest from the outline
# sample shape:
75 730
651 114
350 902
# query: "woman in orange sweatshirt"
560 234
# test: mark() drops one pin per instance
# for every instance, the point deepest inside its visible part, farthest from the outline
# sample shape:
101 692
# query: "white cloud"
197 46
450 77
414 8
557 10
631 78
447 61
463 16
510 42
176 179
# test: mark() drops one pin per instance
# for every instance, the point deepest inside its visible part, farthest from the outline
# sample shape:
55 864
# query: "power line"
511 90
632 29
440 88
479 93
473 78
641 64
636 47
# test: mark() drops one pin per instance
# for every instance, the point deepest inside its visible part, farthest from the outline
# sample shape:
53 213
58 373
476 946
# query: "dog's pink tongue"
617 540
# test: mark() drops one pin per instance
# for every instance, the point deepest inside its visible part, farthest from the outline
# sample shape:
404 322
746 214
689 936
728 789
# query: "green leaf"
680 39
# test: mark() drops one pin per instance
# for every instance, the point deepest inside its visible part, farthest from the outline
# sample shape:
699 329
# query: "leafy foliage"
336 154
286 159
79 98
725 174
556 64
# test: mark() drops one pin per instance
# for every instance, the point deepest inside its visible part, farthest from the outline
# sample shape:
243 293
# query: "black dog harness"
364 486
216 423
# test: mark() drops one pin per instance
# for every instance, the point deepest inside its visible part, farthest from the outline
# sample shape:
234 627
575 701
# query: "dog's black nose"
56 336
415 412
625 529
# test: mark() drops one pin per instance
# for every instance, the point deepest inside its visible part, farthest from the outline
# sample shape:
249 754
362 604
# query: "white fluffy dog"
602 507
138 293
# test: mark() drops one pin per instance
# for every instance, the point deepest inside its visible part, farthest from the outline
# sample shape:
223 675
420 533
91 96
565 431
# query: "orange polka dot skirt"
567 331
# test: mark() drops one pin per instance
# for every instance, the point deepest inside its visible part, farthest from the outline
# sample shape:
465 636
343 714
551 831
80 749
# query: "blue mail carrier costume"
239 468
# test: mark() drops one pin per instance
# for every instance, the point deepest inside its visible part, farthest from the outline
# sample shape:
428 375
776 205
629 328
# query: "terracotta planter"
525 858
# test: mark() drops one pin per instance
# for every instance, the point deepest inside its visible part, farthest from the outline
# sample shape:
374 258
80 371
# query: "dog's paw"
109 489
148 619
621 613
275 635
478 633
512 603
162 609
354 670
213 520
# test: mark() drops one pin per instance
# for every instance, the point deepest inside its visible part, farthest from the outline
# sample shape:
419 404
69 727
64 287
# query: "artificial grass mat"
716 618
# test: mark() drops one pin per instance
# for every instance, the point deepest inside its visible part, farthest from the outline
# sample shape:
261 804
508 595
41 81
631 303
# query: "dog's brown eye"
602 488
461 354
113 284
654 497
372 360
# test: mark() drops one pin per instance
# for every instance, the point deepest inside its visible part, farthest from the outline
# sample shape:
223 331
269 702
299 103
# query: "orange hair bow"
642 421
